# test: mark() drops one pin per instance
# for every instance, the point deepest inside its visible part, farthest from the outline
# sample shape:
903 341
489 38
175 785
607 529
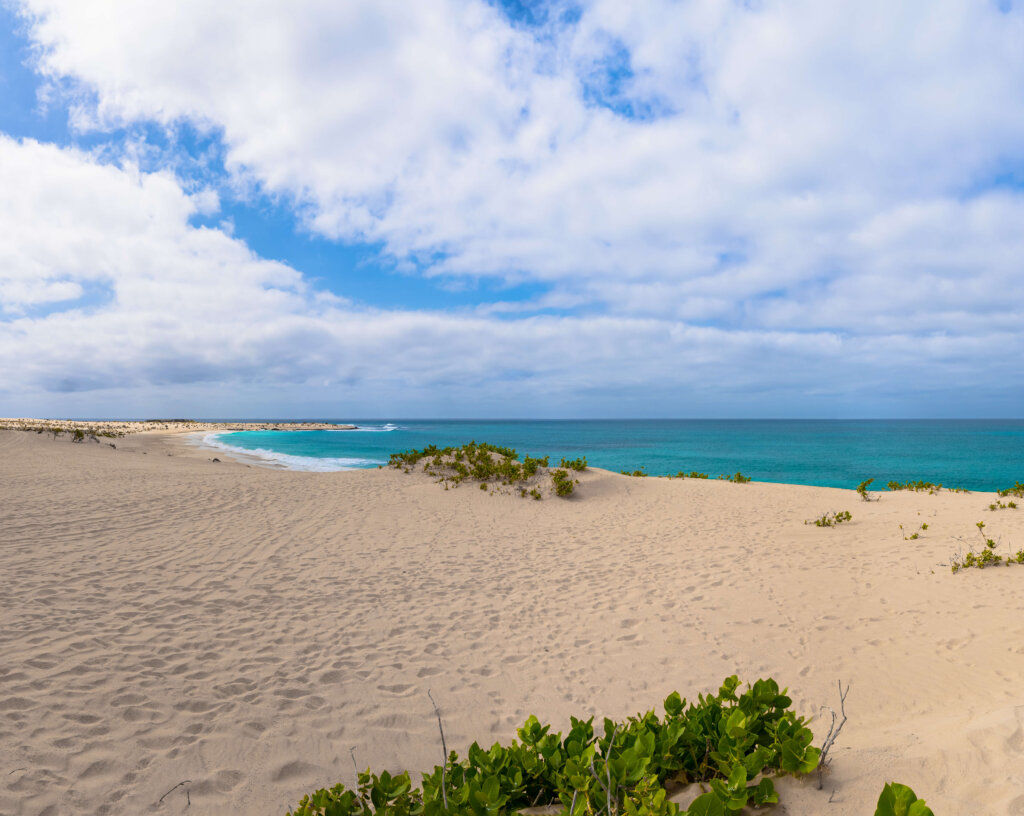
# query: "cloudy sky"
675 208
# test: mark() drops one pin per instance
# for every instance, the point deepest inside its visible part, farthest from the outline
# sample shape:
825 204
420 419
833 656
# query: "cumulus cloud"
790 192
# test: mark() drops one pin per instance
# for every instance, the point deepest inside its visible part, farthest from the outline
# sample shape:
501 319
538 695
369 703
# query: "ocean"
975 454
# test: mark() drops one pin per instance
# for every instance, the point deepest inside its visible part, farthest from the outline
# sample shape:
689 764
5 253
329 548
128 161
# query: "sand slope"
166 618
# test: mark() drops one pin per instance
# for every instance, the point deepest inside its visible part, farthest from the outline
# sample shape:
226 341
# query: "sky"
460 208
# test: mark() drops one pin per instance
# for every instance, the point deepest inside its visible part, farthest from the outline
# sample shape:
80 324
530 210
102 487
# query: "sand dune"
166 618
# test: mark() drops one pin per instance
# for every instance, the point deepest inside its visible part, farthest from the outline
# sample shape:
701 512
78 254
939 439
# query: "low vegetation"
1001 505
986 555
924 487
1017 490
899 800
492 466
733 742
831 519
564 483
693 474
862 490
737 478
914 535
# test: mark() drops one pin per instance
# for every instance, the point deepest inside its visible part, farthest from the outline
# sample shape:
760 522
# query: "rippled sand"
166 618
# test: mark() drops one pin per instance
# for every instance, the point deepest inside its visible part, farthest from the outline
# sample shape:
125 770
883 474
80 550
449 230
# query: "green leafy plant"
737 478
831 519
899 800
1017 490
1001 505
862 490
985 557
917 487
637 472
578 465
490 465
693 474
563 482
913 536
78 435
733 742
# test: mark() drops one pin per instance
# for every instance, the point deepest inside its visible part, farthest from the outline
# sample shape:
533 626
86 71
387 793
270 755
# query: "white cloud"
188 305
820 168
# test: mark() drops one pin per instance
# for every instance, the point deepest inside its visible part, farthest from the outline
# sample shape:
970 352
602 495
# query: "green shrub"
480 461
899 800
578 465
78 435
831 519
913 535
726 741
862 489
917 487
1017 490
738 478
563 482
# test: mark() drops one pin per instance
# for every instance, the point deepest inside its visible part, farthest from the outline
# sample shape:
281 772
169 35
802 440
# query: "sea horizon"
976 454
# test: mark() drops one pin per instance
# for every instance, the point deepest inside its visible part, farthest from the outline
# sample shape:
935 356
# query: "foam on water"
291 461
976 454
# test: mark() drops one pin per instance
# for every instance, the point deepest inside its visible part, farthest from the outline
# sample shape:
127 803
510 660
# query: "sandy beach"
165 618
116 428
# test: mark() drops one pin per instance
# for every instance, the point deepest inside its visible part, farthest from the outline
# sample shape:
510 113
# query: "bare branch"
833 733
444 748
160 801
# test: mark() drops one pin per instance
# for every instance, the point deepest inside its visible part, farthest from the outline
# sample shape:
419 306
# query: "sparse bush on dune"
923 487
831 519
488 464
563 482
986 555
1017 490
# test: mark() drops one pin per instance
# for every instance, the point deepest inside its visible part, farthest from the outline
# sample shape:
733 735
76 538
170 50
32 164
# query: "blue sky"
709 208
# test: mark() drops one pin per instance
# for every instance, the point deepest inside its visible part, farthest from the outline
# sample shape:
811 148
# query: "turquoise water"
977 454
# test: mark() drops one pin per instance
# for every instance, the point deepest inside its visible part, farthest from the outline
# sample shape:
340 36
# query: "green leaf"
764 793
707 804
674 704
736 725
900 800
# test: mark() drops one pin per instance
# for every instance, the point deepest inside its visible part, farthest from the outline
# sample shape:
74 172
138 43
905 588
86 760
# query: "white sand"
165 618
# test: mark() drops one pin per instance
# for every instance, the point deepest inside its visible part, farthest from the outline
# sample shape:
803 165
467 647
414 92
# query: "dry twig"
444 748
833 732
172 790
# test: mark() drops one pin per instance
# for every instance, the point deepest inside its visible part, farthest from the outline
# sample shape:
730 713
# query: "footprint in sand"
401 689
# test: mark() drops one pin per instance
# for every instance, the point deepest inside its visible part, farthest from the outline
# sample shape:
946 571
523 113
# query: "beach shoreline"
170 426
167 617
